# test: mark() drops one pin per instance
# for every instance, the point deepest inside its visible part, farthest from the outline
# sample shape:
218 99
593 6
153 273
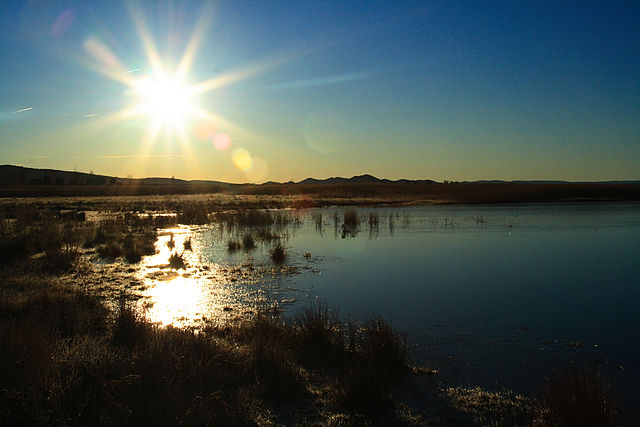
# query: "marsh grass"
267 235
233 245
317 219
187 244
248 242
193 213
350 218
111 250
579 396
318 335
278 254
176 261
373 220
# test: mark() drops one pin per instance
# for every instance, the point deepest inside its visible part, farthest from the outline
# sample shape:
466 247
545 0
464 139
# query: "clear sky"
283 90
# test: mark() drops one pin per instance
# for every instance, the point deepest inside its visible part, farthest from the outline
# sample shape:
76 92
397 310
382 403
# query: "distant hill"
362 179
11 175
19 176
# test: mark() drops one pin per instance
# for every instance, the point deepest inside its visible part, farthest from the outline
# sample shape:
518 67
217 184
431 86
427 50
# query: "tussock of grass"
248 242
278 254
318 335
110 250
350 218
578 397
187 244
233 245
193 214
176 261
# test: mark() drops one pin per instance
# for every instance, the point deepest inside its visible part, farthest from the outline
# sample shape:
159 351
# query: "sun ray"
204 20
233 77
145 36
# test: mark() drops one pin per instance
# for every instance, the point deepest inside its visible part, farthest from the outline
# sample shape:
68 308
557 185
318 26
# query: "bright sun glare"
163 99
166 100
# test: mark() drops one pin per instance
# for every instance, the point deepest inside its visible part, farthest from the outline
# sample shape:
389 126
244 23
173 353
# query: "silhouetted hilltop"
18 175
17 181
363 179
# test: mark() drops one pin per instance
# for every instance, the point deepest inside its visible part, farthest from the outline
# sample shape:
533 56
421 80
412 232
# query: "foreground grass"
66 359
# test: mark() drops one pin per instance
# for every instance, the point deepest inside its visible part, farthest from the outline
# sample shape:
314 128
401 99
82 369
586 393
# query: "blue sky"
440 90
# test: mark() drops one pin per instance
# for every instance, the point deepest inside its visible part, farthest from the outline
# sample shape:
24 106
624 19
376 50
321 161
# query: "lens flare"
221 141
258 172
242 159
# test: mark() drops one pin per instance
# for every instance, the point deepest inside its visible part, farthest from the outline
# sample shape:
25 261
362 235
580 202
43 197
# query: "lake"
497 296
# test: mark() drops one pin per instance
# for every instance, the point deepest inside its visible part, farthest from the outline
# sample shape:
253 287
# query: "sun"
164 99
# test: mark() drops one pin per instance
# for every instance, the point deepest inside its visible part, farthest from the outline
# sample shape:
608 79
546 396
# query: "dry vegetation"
67 357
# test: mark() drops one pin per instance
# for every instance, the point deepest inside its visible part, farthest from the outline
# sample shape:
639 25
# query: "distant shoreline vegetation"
18 181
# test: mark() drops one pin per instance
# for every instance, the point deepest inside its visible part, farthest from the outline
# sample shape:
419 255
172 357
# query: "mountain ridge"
12 175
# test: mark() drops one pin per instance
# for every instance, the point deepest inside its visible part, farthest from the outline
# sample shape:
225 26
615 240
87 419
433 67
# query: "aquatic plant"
187 244
374 219
350 218
233 245
317 218
278 254
248 242
176 261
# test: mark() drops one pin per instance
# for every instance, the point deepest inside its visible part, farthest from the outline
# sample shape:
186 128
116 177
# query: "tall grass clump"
278 254
111 250
193 214
319 336
578 397
248 242
379 362
233 245
350 219
176 261
374 220
129 325
187 244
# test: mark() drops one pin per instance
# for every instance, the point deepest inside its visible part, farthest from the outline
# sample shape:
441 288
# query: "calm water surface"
491 295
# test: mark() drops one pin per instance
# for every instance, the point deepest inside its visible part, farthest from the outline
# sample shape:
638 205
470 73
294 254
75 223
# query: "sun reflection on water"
177 302
198 293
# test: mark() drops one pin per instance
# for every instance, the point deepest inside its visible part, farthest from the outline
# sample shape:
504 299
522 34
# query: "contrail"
23 110
297 84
